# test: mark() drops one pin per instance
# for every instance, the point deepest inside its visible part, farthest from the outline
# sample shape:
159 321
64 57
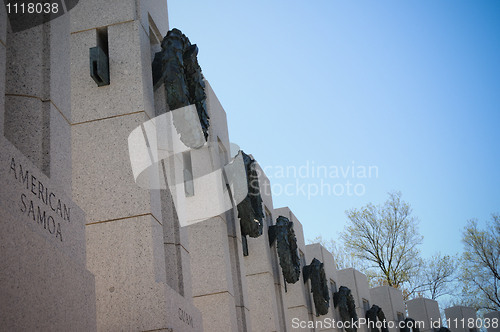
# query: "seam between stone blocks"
177 244
42 100
101 27
144 28
110 117
152 215
223 220
235 237
213 294
256 274
214 217
160 329
140 22
242 306
298 306
110 220
74 124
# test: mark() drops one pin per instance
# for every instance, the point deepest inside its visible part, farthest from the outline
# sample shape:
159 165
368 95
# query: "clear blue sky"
411 87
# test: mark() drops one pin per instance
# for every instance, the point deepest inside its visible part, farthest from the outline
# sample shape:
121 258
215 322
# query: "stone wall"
358 284
460 317
135 247
319 252
263 274
391 301
425 311
218 268
45 282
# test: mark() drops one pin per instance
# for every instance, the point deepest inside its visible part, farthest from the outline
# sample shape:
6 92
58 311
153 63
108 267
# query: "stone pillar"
391 301
493 318
298 295
424 311
45 282
264 277
136 249
3 49
319 252
218 268
460 319
358 284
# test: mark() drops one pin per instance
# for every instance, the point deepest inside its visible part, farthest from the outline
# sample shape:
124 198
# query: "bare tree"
481 264
434 278
387 237
439 274
381 242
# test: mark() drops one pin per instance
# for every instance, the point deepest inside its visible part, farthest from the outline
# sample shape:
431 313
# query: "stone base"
183 315
45 284
128 261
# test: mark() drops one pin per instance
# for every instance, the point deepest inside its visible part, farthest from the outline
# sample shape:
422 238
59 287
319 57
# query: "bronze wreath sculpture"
177 67
319 286
284 235
375 313
347 307
250 209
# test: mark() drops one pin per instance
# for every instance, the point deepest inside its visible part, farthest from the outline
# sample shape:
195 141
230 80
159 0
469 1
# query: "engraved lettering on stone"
38 208
185 317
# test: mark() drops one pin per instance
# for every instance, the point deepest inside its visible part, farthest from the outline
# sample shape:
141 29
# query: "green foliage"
481 265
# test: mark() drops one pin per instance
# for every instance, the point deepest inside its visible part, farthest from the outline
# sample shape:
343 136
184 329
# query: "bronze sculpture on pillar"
176 66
